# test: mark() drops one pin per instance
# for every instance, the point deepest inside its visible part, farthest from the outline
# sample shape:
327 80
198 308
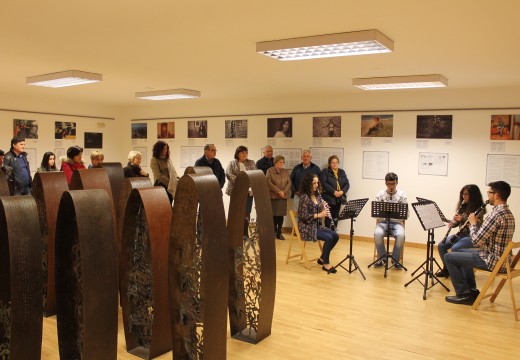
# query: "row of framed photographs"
502 127
28 129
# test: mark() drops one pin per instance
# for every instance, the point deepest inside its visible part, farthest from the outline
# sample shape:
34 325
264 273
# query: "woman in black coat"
335 186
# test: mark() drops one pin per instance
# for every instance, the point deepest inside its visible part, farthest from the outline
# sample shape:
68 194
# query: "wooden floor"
342 316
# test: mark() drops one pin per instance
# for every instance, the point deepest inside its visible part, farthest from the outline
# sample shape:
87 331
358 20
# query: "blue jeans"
397 231
462 243
460 266
331 239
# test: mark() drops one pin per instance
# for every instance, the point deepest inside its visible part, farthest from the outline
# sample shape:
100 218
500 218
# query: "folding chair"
295 234
511 273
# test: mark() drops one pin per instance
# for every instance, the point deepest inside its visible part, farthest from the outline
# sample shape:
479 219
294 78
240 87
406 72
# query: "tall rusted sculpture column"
143 272
47 190
116 176
4 185
86 276
252 261
20 279
197 269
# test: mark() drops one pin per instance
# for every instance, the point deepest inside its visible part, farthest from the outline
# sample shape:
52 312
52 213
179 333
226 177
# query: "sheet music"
428 215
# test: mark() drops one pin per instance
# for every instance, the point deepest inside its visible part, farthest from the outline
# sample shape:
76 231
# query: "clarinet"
466 224
326 207
452 224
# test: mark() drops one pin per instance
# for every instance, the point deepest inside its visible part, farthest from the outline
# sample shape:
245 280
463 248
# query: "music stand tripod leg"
350 257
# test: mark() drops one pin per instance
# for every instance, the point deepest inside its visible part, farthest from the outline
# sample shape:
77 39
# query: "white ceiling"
209 45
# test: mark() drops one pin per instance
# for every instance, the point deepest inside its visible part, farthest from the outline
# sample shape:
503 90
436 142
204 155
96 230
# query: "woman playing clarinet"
470 200
311 210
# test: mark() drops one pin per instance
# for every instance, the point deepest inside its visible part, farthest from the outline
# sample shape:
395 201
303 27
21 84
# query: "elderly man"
299 172
8 171
16 158
209 160
267 161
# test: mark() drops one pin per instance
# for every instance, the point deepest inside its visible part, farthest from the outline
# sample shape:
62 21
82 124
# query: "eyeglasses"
391 183
491 192
213 150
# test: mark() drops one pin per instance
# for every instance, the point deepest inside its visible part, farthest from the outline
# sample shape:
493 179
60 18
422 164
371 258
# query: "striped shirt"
494 235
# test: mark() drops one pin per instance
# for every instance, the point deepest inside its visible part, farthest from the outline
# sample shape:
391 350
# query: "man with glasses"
396 226
209 160
491 239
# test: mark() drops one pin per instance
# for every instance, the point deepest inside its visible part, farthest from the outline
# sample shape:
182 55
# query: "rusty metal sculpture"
252 277
20 279
4 185
127 186
116 177
197 271
200 170
143 273
48 188
86 276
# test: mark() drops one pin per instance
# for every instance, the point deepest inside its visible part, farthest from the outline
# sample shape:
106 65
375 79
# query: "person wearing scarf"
335 184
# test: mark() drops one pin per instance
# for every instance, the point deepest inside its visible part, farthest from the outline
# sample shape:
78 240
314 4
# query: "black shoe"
329 271
475 293
464 299
280 237
380 263
442 273
319 262
398 266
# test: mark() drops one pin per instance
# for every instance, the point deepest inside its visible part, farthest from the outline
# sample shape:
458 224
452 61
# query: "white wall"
467 150
467 157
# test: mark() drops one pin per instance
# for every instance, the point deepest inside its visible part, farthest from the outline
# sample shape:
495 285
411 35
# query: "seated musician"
470 199
311 210
396 226
491 239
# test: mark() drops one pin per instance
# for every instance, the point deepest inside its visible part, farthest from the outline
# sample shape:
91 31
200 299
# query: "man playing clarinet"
491 239
396 226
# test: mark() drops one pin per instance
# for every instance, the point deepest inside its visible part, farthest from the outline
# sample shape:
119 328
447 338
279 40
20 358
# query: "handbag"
343 199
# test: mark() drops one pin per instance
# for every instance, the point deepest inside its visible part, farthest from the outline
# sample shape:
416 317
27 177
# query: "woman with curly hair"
162 168
311 211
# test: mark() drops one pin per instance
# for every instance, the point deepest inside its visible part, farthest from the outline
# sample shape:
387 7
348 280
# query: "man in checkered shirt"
491 239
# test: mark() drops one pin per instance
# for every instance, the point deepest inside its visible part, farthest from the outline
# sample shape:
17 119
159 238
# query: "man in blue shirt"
16 158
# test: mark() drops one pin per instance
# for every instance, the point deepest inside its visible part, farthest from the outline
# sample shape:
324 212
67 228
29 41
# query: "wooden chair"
295 235
511 273
392 241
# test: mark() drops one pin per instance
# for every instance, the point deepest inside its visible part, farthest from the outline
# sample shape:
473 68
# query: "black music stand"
389 210
351 211
430 218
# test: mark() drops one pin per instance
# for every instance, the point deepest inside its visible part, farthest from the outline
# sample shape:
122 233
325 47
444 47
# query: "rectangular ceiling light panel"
325 46
401 82
64 78
168 94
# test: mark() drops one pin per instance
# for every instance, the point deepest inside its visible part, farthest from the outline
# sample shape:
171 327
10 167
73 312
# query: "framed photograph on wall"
166 130
139 130
93 140
505 127
64 130
377 125
279 127
326 126
26 129
434 126
235 129
197 129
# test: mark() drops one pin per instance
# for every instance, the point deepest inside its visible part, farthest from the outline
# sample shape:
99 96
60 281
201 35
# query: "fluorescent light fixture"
168 94
325 46
401 82
64 78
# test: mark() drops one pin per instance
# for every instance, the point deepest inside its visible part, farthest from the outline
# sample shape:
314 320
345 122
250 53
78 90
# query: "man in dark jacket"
267 161
209 160
8 171
16 158
299 172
